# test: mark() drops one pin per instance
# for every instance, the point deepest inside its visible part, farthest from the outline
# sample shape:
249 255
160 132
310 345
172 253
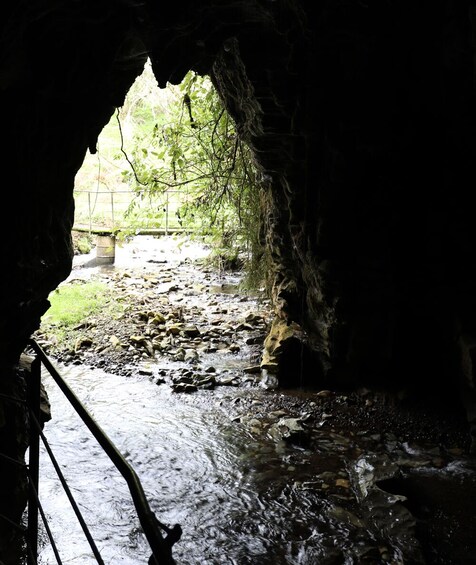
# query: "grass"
73 304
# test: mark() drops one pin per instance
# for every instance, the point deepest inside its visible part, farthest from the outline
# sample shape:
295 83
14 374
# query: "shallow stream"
236 498
241 498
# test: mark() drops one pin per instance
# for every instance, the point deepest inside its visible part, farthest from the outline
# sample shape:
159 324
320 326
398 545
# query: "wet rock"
115 342
252 369
268 381
83 343
190 331
174 329
254 340
325 394
278 413
184 387
291 431
165 287
137 340
207 382
190 356
253 318
156 318
227 381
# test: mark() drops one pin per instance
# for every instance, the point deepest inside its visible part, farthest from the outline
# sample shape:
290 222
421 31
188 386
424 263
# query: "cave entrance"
171 161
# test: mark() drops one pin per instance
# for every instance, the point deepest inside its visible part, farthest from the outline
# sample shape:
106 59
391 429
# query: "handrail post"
34 394
167 213
89 213
112 211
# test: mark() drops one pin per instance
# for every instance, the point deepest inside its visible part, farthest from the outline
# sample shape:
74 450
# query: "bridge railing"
107 209
161 547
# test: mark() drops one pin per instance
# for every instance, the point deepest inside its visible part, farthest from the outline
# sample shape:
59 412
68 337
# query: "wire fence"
127 209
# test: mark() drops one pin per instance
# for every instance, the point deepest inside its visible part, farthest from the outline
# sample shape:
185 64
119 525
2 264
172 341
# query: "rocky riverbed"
188 326
186 323
174 310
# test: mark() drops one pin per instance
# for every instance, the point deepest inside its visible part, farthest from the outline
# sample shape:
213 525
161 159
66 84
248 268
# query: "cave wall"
64 68
361 117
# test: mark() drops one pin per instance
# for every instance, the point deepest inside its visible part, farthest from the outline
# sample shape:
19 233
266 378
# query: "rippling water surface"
241 499
234 498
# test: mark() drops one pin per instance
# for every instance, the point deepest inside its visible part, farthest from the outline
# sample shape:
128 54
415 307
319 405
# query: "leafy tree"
191 148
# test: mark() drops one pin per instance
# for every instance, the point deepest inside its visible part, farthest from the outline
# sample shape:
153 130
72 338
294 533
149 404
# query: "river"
241 498
235 498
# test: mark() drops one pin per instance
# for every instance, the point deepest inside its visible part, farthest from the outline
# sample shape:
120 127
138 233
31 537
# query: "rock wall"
361 116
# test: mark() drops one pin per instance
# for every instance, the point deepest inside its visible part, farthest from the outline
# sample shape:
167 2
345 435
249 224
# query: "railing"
161 547
106 209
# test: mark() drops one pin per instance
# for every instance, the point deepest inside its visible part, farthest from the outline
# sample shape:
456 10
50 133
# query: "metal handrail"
69 494
170 227
161 547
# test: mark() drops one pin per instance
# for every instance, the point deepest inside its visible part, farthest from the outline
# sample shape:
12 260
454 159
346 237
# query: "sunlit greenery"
179 153
195 150
72 304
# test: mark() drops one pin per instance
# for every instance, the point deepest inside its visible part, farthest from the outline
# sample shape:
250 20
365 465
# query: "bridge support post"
105 249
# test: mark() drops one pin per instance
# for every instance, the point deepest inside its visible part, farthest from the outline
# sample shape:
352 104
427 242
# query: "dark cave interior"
361 114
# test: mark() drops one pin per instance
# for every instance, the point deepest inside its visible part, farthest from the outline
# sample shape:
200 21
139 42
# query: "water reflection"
232 496
241 497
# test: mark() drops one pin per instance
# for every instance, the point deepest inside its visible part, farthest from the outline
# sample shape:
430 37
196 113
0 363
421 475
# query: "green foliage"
194 150
179 153
84 244
72 304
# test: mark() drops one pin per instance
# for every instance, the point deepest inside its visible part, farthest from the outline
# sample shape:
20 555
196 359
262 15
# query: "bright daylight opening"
170 161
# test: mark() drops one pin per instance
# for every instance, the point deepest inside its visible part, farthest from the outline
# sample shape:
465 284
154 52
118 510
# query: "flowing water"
234 498
241 498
